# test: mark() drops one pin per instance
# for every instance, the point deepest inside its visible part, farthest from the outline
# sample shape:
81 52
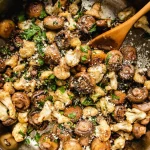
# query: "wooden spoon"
113 38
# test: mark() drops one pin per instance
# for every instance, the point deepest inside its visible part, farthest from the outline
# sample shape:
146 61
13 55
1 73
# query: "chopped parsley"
113 96
5 50
21 133
87 102
107 59
27 141
59 4
41 62
79 14
72 115
84 48
93 28
52 76
21 17
55 23
37 137
53 87
84 58
43 14
40 104
62 89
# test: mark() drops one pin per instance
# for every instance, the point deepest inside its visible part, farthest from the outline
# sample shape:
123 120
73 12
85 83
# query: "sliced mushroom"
137 95
46 142
33 120
119 113
38 97
114 60
74 113
82 83
21 101
84 128
143 107
72 144
127 72
8 142
86 22
2 65
138 130
9 122
129 53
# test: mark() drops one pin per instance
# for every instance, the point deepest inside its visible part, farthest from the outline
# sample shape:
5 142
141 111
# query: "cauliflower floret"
46 112
102 131
89 112
134 115
75 42
59 105
23 117
19 67
62 71
3 112
19 131
24 25
12 62
60 118
94 11
6 100
28 49
113 81
138 77
143 23
26 85
126 13
97 72
105 106
8 87
122 126
72 24
119 143
73 57
50 36
63 96
127 136
98 92
147 84
46 74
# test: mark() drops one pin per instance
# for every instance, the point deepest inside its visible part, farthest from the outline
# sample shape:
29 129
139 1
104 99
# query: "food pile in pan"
60 92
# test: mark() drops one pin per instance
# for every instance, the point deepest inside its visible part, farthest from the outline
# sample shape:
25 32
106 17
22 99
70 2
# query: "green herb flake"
43 14
21 133
49 98
27 141
115 97
21 17
85 48
37 137
61 112
72 115
53 87
59 4
41 104
107 59
87 102
84 58
41 62
93 28
52 76
55 22
62 89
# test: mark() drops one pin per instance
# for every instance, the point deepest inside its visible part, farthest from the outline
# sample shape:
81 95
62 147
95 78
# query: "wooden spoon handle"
139 14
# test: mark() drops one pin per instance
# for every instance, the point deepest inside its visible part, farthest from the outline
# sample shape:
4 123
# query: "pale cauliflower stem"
19 131
134 114
5 99
71 23
46 113
143 24
102 131
3 112
26 85
73 57
89 112
97 72
113 81
23 117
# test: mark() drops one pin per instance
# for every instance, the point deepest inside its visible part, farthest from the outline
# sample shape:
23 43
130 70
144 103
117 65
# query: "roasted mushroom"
119 113
137 95
1 81
143 107
82 83
138 130
129 53
21 101
8 142
86 23
72 144
84 141
47 142
52 54
84 128
38 97
9 122
114 60
6 28
33 120
74 113
127 72
34 9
